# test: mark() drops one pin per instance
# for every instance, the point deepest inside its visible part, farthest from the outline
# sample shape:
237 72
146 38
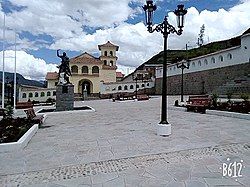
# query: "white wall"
240 54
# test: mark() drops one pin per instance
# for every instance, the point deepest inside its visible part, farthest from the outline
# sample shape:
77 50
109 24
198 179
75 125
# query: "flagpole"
3 61
15 76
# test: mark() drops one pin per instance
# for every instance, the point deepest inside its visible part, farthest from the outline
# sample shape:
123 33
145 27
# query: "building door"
86 84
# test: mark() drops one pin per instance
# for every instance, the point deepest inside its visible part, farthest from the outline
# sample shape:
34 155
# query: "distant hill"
20 79
174 56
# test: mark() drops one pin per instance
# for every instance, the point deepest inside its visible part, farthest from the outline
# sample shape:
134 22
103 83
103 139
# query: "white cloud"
27 65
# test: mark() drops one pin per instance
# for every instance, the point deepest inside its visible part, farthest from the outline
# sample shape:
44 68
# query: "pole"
15 77
182 68
3 61
164 80
136 87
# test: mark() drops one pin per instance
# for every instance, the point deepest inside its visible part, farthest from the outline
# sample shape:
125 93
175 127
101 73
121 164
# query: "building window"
125 87
74 69
95 69
193 64
229 56
131 87
111 63
205 62
36 94
142 85
174 68
30 94
54 93
221 58
137 86
147 84
24 95
212 60
85 69
56 83
111 53
42 94
105 62
170 69
105 53
119 88
48 93
199 63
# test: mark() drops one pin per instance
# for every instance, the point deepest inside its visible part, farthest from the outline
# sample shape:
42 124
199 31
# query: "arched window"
74 69
54 93
205 62
142 85
137 86
48 93
170 69
125 87
229 56
105 53
30 94
199 62
95 69
111 53
147 84
111 63
213 60
131 87
119 88
105 62
42 94
193 64
24 95
36 94
85 69
221 58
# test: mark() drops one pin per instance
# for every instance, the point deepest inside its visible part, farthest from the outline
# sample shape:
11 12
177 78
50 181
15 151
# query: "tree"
201 36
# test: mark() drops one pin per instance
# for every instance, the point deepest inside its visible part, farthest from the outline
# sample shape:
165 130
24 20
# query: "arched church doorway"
86 84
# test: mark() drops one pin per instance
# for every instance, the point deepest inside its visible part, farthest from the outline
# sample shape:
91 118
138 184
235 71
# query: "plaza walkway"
117 146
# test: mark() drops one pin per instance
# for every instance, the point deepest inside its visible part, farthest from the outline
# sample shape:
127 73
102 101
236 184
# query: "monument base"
64 97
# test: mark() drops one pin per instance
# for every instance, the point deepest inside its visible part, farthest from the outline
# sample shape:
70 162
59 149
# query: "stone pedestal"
64 97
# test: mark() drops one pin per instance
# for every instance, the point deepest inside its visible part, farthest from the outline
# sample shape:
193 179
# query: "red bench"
198 103
23 105
32 116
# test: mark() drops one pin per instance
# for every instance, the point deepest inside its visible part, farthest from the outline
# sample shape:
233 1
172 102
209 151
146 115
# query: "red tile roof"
51 76
85 58
119 75
108 44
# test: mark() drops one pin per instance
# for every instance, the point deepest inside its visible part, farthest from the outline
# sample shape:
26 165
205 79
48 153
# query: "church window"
105 62
111 63
119 88
74 69
111 53
36 94
30 94
54 93
199 62
229 56
193 64
105 53
142 85
48 93
42 94
24 95
212 60
131 87
221 58
125 87
95 69
85 69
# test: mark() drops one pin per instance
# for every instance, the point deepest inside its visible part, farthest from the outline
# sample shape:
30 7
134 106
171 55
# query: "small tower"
108 54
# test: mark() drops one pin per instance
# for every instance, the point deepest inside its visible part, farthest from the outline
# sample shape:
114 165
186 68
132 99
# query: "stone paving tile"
195 183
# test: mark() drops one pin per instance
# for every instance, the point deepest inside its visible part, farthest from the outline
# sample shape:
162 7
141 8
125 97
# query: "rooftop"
108 44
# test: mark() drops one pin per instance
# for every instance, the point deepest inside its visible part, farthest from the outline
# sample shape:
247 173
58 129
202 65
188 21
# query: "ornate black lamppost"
183 66
164 128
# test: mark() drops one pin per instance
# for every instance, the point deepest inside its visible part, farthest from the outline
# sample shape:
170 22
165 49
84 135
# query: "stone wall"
203 81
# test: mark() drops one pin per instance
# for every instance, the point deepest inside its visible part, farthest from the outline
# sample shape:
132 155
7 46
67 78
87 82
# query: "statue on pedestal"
64 69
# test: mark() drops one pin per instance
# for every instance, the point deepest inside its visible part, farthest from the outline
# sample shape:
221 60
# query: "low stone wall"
203 81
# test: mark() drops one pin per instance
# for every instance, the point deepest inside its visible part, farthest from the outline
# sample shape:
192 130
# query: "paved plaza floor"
116 145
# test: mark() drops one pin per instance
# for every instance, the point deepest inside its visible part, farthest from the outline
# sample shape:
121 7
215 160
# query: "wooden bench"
23 105
32 116
198 103
142 97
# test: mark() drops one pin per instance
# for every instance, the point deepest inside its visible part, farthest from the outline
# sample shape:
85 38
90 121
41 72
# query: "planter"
21 143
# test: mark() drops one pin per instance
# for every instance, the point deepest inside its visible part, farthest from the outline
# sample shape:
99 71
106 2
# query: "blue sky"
43 26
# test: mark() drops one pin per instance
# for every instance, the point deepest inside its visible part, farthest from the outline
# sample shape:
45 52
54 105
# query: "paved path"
117 146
